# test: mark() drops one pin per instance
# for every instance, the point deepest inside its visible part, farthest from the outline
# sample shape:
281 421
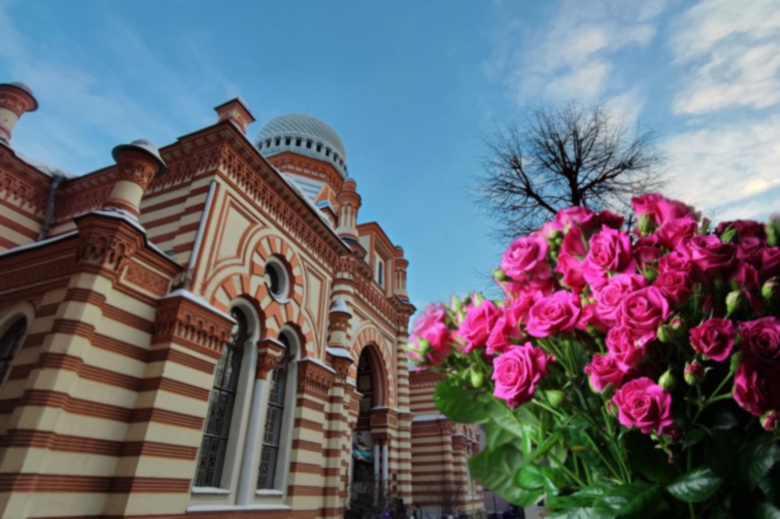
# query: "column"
268 352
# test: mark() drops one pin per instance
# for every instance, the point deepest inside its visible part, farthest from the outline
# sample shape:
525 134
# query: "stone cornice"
182 320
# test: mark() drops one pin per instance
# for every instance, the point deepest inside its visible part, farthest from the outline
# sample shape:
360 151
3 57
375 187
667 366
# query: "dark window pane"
216 431
9 344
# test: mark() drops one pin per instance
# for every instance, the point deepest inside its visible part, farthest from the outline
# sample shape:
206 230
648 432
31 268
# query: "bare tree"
561 157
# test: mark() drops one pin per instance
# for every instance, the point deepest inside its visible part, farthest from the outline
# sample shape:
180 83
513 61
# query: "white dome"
305 135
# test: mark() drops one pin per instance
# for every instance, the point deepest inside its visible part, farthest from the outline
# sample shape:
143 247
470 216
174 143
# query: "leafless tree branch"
561 157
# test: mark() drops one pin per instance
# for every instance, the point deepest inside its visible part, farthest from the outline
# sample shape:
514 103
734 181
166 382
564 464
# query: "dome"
305 135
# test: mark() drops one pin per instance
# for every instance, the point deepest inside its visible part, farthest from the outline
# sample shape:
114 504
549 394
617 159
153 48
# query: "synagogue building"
207 330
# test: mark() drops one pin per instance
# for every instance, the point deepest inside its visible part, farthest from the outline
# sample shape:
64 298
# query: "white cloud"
573 54
732 54
727 170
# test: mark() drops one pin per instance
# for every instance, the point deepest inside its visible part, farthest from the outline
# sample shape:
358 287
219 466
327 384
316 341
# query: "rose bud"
674 432
728 236
554 397
477 378
733 301
694 373
667 381
769 289
499 275
770 420
645 224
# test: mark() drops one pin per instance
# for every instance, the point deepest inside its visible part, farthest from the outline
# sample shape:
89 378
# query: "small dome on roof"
144 145
305 135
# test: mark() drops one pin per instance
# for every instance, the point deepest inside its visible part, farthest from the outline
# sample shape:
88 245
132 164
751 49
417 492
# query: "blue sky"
412 88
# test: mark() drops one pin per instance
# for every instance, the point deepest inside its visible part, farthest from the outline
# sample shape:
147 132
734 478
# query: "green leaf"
770 485
548 444
460 404
530 477
496 436
756 459
649 461
765 511
637 500
719 417
581 513
721 453
696 486
529 498
495 469
693 437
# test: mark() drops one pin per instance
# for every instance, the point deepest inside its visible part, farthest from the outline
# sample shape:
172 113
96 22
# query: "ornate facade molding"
182 320
146 279
16 185
255 186
137 167
268 355
314 378
107 247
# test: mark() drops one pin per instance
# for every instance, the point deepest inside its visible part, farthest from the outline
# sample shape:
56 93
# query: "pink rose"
643 311
610 253
431 326
603 370
750 249
714 338
710 255
576 216
574 244
770 420
756 388
610 296
477 325
744 228
571 270
499 338
760 340
518 307
516 372
675 286
610 219
659 210
644 404
770 262
647 251
677 260
526 259
627 350
591 317
558 313
676 231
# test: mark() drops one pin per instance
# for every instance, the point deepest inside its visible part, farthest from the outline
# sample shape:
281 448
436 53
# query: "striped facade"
128 279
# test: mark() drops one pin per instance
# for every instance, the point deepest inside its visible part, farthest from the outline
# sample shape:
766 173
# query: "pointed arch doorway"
369 449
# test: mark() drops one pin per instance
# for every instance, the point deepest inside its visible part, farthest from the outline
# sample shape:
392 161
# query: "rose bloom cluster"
624 296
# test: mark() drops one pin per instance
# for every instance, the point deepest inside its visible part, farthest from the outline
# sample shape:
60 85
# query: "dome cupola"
304 135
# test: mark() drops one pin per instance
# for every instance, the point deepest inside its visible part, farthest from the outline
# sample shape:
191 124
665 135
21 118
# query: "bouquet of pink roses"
627 373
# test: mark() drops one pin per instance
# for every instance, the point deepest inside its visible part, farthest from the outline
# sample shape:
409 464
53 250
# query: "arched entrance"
367 453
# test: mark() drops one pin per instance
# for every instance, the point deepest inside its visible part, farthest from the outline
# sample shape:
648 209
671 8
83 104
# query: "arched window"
216 432
10 342
275 431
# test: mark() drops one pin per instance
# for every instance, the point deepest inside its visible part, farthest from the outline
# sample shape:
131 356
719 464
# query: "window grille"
9 345
223 395
273 420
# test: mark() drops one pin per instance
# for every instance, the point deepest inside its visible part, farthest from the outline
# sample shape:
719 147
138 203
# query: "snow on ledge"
36 244
317 362
229 508
340 306
339 352
186 294
429 418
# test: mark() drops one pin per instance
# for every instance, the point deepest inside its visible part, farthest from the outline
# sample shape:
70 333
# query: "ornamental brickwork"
175 283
